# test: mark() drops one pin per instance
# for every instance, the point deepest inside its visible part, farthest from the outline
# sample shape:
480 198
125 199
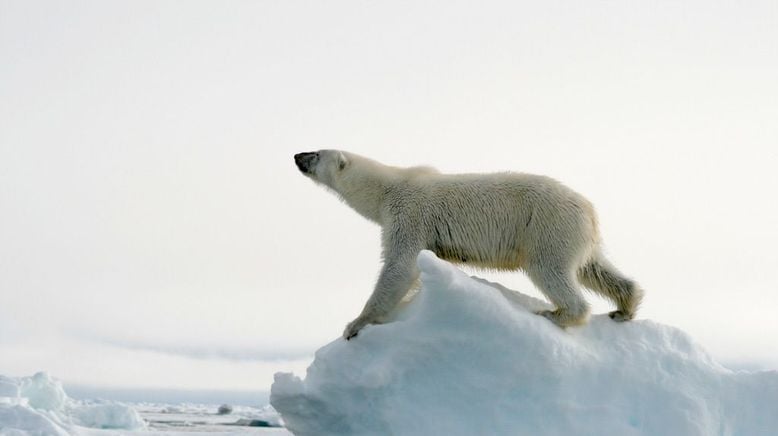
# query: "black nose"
305 160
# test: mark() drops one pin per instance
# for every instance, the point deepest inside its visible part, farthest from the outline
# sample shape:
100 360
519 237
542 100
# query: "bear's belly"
509 261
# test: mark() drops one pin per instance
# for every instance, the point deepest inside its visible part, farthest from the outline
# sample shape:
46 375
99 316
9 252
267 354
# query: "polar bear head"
323 166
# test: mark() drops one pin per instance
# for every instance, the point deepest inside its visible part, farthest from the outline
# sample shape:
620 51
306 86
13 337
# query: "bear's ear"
342 161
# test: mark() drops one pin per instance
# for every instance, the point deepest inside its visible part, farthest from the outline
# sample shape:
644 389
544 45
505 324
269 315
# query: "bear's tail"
602 277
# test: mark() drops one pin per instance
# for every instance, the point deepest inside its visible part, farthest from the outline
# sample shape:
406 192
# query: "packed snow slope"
469 357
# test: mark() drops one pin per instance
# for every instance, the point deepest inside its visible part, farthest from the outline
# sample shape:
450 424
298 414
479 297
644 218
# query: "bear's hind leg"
602 277
560 287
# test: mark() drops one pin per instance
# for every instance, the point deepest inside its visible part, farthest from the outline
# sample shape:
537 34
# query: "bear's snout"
305 161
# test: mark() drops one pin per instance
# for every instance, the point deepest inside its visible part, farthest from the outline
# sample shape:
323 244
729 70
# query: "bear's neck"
365 189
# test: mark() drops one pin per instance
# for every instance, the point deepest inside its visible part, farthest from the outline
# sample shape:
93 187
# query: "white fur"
506 221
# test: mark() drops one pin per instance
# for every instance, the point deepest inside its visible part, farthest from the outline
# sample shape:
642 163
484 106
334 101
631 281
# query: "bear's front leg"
353 328
397 276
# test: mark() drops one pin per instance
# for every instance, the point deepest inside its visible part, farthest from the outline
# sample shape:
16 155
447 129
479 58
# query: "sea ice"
38 405
43 392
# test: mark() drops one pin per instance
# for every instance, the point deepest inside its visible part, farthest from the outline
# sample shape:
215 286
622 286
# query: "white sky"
154 230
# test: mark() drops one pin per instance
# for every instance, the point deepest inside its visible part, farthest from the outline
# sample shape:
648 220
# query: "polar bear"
505 221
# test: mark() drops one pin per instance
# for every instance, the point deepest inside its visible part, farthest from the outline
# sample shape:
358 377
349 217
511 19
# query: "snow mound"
109 415
38 405
469 357
22 421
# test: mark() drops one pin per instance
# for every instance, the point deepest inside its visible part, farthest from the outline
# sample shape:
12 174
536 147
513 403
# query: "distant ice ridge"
469 357
38 405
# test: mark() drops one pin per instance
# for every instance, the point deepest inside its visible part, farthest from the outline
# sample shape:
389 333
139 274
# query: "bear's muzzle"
306 161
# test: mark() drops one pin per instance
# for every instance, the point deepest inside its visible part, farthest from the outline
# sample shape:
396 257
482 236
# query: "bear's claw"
353 328
621 316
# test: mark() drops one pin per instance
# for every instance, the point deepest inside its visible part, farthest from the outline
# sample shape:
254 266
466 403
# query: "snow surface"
204 417
463 359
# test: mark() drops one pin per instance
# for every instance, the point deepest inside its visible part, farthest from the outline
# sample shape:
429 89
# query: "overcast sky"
154 230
